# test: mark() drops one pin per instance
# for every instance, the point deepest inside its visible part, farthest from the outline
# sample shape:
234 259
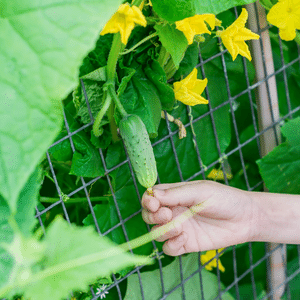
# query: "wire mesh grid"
230 102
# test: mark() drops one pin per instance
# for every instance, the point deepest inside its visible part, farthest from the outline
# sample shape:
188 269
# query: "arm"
278 219
234 216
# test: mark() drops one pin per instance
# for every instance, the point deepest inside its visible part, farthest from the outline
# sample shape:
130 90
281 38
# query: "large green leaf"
42 44
73 258
24 218
280 169
189 61
86 159
157 76
142 98
216 7
175 10
173 40
152 288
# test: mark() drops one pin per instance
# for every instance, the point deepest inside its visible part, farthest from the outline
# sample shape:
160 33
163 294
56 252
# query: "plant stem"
113 94
113 57
112 123
101 113
73 200
115 251
139 43
146 238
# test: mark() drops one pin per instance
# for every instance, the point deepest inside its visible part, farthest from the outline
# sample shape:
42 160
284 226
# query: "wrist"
276 218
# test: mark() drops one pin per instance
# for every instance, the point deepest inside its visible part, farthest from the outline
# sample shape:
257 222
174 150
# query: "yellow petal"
138 16
287 34
189 90
189 80
199 86
278 14
218 22
244 50
187 31
242 19
123 21
204 258
286 16
236 34
230 46
125 32
245 34
196 25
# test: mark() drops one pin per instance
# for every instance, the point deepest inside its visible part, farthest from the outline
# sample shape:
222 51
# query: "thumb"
183 193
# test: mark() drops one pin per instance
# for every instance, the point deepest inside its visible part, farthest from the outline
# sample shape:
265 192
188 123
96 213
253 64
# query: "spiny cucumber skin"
136 139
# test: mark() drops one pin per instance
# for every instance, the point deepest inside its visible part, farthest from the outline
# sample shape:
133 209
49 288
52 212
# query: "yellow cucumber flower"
196 25
216 174
123 21
236 34
213 264
189 90
286 16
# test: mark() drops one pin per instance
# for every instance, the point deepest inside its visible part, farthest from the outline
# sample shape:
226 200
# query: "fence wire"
229 101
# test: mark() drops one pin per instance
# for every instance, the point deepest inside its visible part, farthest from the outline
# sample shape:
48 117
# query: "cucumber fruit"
136 139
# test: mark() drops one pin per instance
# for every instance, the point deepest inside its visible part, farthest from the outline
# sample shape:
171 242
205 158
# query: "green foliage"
216 7
37 75
152 288
71 258
141 98
43 69
173 40
157 76
280 168
189 61
24 220
86 159
175 10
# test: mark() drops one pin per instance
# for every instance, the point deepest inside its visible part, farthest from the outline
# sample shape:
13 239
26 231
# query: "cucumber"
136 139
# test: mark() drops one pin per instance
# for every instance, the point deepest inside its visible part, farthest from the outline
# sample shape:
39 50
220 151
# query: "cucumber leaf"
52 37
280 169
175 10
157 76
152 288
24 218
189 61
173 40
141 98
71 261
86 159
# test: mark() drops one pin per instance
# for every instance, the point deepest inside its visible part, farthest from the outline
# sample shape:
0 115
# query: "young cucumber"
136 139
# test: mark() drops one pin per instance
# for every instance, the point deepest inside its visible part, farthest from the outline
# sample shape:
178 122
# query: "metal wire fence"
290 273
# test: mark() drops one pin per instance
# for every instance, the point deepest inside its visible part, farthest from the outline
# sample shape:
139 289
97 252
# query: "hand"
229 218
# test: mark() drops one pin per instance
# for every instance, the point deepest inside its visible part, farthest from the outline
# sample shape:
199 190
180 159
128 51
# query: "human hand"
228 219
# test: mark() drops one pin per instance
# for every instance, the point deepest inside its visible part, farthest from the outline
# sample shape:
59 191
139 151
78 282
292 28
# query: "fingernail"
159 193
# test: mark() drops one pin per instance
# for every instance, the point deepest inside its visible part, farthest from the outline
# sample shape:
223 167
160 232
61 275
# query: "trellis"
266 136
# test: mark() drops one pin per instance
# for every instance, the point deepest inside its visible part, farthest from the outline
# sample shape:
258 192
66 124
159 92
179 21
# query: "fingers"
170 194
175 246
183 193
173 233
163 215
150 203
